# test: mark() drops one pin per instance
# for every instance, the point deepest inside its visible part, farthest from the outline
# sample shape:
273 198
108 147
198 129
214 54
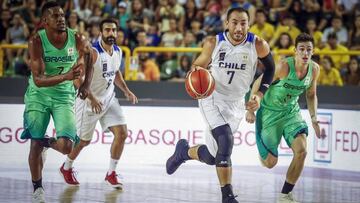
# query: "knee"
300 154
66 148
225 142
270 161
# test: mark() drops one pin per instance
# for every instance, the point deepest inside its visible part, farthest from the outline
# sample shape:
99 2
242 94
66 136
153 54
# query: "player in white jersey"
232 59
101 104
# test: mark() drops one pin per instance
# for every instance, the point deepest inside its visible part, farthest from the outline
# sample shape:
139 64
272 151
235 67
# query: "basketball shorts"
288 124
217 112
38 109
86 120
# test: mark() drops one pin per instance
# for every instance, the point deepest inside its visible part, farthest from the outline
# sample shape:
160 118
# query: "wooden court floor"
195 184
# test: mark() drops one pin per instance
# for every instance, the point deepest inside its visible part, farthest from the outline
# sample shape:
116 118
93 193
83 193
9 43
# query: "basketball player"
279 114
102 105
57 56
232 58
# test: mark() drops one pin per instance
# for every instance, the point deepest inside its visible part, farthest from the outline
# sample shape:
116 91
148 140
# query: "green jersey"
284 94
58 61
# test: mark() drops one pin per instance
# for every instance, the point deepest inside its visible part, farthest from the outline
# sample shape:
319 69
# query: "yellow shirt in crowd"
339 60
331 78
266 32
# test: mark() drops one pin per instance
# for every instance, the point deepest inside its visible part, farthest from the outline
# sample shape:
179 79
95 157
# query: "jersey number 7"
231 73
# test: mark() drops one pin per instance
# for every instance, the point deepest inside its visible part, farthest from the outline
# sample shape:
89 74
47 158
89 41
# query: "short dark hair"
107 20
48 5
236 9
332 35
304 37
261 10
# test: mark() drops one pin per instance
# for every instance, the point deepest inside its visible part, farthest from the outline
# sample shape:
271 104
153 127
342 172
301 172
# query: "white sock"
112 167
68 163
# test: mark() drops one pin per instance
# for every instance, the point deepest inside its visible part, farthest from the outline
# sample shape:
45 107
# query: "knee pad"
205 156
225 142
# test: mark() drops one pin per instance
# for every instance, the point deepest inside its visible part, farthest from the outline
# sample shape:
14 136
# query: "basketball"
199 83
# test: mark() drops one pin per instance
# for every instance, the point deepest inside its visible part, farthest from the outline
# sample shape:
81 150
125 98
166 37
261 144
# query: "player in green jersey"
57 57
279 113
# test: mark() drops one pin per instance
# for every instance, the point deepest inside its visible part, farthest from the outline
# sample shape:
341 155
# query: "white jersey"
233 67
105 68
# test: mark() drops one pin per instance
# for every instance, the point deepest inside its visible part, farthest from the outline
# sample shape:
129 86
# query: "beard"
110 40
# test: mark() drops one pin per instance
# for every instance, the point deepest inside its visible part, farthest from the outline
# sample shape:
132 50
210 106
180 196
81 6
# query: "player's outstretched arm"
204 59
120 83
312 101
86 59
37 66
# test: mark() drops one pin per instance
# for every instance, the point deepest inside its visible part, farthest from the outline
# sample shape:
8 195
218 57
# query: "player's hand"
254 103
193 68
250 117
96 106
74 73
316 127
131 97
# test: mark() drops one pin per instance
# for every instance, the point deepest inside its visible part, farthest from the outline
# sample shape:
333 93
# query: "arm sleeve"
269 64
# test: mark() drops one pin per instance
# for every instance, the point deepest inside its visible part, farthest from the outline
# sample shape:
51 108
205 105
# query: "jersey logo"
70 51
245 57
222 56
307 81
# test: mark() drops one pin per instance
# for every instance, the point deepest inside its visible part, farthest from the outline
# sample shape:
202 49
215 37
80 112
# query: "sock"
287 188
68 163
37 184
227 191
112 167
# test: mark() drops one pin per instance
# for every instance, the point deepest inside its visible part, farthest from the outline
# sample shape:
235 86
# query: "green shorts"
272 125
38 109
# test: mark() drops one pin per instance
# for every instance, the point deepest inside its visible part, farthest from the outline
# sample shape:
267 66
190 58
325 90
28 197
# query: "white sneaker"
287 198
38 196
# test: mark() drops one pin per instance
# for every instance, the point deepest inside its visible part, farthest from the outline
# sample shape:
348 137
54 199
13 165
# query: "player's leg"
267 138
85 125
36 120
295 135
65 125
114 120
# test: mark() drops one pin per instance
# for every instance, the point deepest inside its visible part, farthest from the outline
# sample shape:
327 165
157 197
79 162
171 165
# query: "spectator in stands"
31 14
4 24
121 39
354 35
327 13
153 36
18 33
75 23
287 25
198 32
173 37
96 17
177 11
284 42
148 70
311 29
344 9
212 22
184 66
169 66
94 34
261 27
278 9
338 28
225 6
340 61
328 74
141 40
191 12
82 9
122 15
140 16
353 75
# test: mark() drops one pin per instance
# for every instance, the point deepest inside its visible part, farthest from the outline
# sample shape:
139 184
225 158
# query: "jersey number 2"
231 73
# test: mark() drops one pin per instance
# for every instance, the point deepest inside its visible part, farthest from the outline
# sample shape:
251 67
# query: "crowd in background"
334 24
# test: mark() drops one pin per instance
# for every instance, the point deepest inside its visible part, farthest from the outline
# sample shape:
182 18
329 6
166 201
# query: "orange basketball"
199 83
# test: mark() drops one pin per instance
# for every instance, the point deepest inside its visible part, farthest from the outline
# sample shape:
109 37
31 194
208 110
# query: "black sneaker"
230 199
177 158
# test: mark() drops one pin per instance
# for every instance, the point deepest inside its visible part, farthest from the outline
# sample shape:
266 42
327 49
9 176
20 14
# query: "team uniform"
279 113
233 68
56 101
102 88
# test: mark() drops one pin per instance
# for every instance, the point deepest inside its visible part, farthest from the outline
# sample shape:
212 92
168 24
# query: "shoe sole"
117 187
63 178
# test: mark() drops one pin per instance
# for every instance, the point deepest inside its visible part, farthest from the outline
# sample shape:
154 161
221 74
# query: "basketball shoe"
38 196
112 180
287 198
69 176
180 156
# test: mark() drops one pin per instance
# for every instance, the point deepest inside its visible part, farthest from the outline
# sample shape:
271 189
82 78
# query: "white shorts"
217 112
86 120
